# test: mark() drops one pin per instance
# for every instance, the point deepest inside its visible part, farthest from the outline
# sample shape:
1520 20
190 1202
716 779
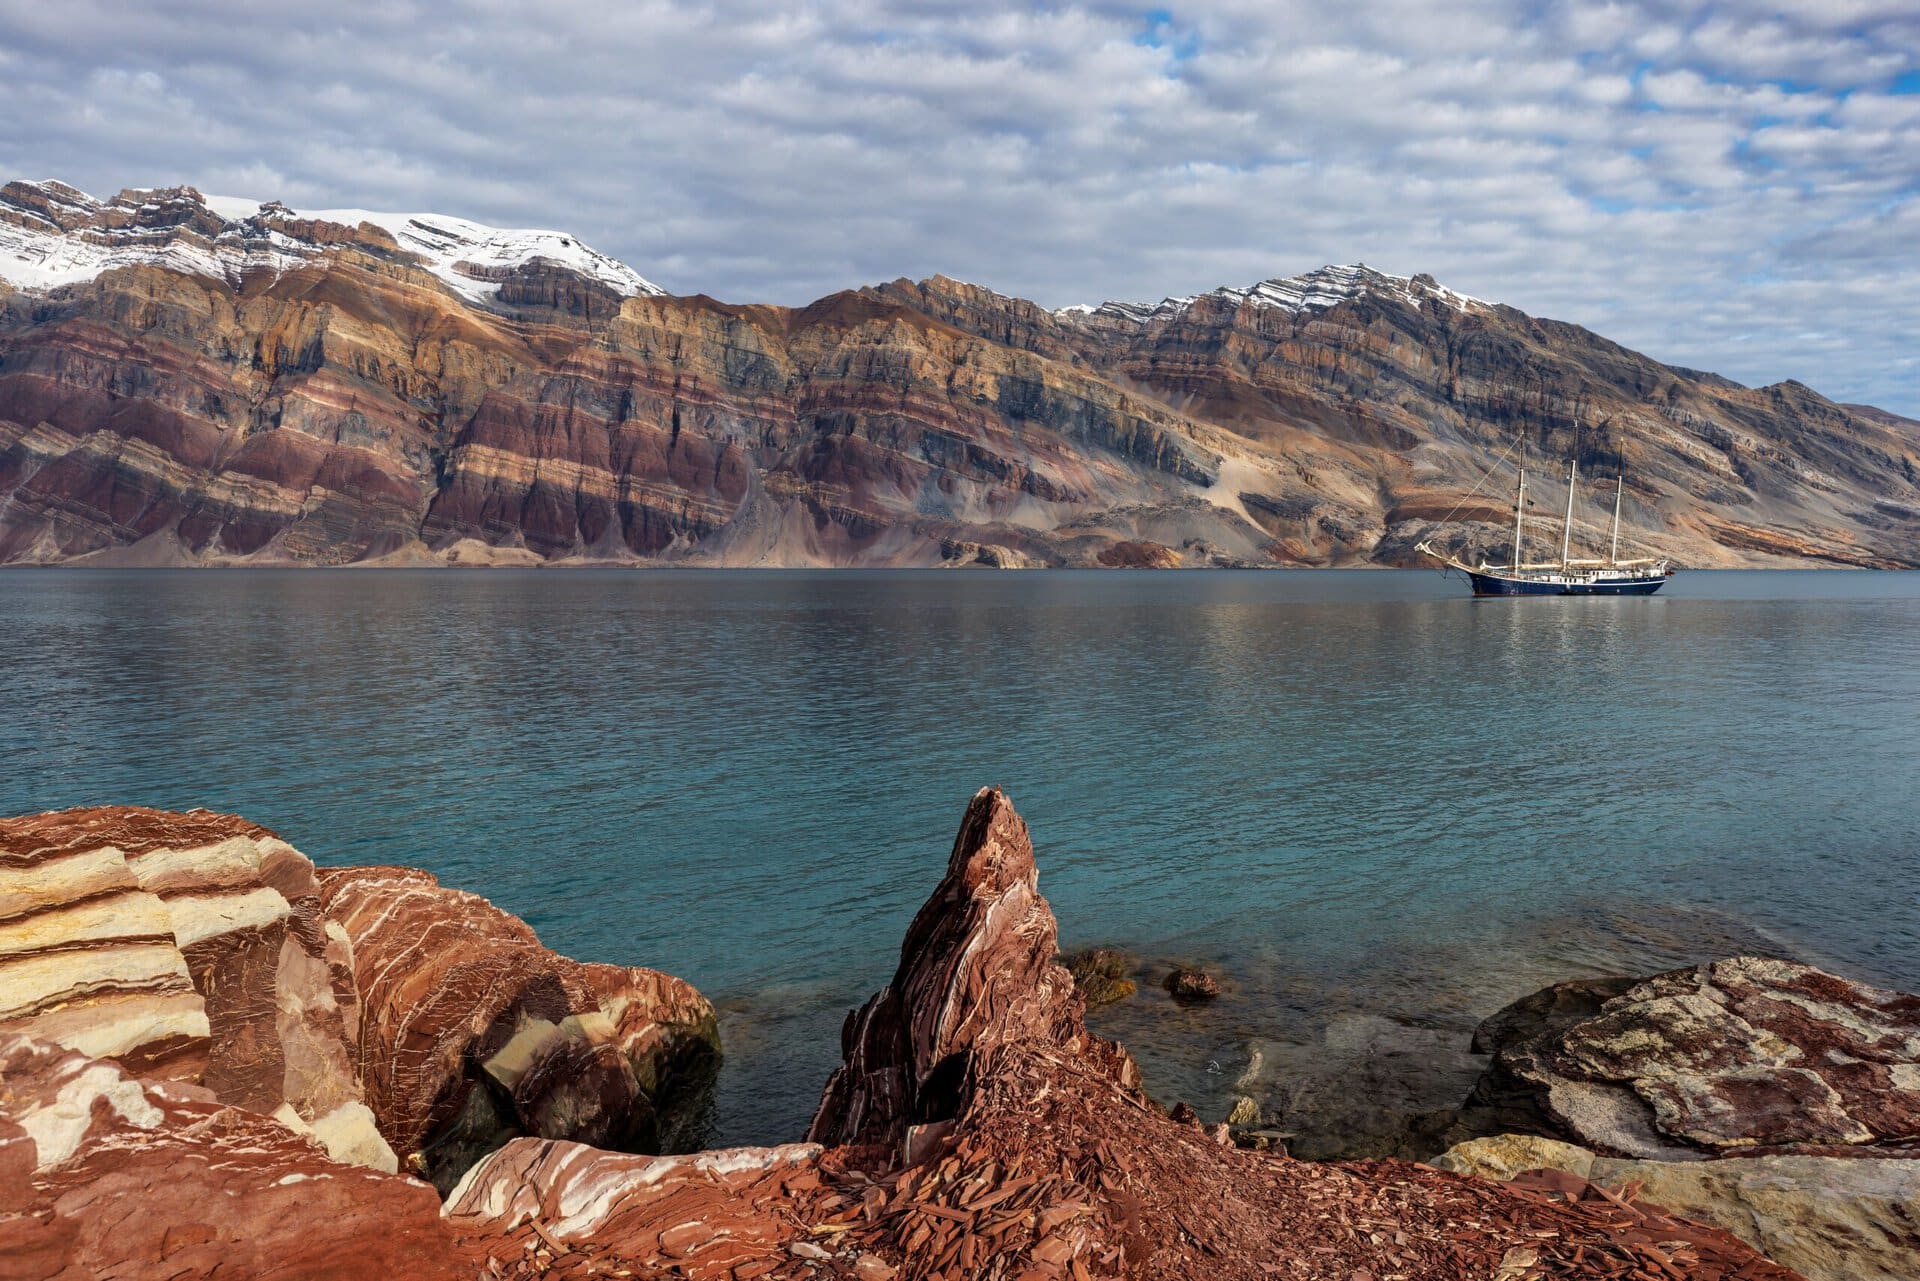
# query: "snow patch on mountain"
1314 291
466 254
52 235
37 261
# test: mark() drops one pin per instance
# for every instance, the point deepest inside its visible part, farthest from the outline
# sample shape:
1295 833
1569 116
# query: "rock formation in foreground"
1773 1099
1744 1055
976 1129
193 1029
194 380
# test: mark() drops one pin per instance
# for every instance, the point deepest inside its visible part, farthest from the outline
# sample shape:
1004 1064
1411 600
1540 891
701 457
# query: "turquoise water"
1347 791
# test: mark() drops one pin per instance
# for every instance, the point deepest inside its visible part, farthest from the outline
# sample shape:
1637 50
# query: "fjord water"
1361 796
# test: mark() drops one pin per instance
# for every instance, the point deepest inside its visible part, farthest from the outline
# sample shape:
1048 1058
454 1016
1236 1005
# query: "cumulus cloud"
1727 186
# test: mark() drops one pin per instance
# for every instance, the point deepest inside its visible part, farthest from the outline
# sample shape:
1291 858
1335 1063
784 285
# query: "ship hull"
1502 585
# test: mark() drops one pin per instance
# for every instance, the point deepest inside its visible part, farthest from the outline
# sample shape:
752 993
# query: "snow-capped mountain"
1316 290
53 235
422 389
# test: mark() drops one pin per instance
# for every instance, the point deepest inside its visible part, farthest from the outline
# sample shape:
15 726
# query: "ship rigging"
1568 576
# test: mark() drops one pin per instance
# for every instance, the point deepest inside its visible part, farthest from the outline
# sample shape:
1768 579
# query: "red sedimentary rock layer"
977 971
473 1033
708 1213
106 1175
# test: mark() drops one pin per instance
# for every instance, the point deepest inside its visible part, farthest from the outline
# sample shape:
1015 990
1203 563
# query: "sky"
1733 187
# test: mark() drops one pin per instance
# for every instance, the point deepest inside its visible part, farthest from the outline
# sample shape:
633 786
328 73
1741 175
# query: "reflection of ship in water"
1568 576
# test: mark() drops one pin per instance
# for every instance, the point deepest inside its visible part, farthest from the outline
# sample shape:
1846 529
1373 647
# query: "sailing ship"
1568 576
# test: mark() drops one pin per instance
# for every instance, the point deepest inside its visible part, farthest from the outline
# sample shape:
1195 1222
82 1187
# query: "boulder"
1503 1156
472 1033
1747 1054
187 947
1829 1218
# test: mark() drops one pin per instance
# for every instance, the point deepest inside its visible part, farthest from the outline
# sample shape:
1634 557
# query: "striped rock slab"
106 1175
473 1034
703 1215
185 947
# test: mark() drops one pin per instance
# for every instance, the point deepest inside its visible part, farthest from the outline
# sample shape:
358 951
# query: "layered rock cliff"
195 380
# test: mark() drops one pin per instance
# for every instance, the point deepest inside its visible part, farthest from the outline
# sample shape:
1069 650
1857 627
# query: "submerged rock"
1549 1011
1370 1086
1192 985
1101 974
474 1034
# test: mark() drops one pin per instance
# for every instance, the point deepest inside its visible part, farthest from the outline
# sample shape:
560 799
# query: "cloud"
1725 186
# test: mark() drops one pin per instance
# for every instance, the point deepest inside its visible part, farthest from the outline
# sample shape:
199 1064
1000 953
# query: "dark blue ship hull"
1498 585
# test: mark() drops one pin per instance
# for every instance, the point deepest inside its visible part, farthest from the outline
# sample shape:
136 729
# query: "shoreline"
1356 1062
681 567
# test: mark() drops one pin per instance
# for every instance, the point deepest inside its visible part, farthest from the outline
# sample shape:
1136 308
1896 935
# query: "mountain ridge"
286 387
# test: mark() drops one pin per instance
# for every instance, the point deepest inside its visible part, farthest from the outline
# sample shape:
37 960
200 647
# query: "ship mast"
1619 487
1566 535
1519 503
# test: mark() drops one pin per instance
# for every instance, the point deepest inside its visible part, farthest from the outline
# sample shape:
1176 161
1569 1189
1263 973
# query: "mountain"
188 379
